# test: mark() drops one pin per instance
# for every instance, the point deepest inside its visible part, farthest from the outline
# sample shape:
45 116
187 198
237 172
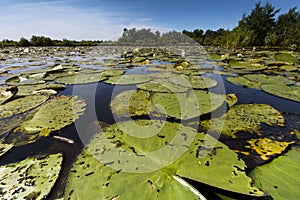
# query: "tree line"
259 28
42 41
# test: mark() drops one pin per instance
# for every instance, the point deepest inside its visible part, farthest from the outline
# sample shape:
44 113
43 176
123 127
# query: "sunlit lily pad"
267 79
244 118
284 91
144 153
128 79
246 65
21 105
280 178
196 82
187 105
31 89
18 80
7 93
286 57
231 99
4 148
162 85
82 78
267 148
32 178
240 80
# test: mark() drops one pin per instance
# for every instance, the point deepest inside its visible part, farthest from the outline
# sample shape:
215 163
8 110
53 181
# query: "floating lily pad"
132 103
82 78
266 147
32 178
113 72
128 79
161 85
7 93
266 79
18 80
246 65
196 82
280 178
54 115
288 68
231 99
138 158
187 105
244 118
286 57
21 105
284 91
240 80
31 89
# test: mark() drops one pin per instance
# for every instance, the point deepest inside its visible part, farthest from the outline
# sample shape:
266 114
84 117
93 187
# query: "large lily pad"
187 105
128 79
286 57
32 178
54 115
196 82
21 105
7 93
267 79
144 153
30 89
240 80
82 78
132 103
162 85
244 118
280 178
18 80
284 91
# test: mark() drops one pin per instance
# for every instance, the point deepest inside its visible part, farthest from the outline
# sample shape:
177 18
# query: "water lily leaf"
54 115
244 118
231 99
132 103
145 153
196 82
266 147
267 79
18 80
187 105
21 105
82 78
128 79
32 178
25 90
113 72
280 178
162 85
246 65
4 148
284 91
7 93
286 57
240 80
288 68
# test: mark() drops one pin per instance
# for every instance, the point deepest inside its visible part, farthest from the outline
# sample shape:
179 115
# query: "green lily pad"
82 78
187 105
7 93
244 118
231 99
240 80
196 82
162 85
288 68
21 105
139 160
280 178
266 147
25 90
283 91
128 79
54 115
32 178
113 72
18 80
246 65
4 148
267 79
286 57
132 103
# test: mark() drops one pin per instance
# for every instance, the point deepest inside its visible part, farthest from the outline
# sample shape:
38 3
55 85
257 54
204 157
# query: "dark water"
98 97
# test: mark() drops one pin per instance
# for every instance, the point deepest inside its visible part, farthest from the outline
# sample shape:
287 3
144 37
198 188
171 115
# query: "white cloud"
58 20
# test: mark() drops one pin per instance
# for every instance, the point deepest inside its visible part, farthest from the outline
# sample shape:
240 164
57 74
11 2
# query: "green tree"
23 42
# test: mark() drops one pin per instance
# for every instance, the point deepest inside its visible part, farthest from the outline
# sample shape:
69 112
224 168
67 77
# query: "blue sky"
105 19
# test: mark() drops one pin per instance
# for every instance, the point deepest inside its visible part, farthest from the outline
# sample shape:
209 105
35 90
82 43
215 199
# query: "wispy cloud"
58 19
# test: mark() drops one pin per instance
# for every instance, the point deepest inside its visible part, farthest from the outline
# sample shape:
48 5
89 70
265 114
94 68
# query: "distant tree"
23 42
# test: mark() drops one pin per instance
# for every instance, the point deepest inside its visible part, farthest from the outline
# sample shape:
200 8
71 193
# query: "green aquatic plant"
268 79
283 91
19 80
187 105
244 118
148 159
162 85
6 93
231 99
280 178
128 79
286 57
240 80
195 82
25 90
21 105
82 78
32 178
4 148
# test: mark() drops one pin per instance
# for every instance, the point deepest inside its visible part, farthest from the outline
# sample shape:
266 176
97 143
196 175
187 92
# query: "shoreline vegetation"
261 28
